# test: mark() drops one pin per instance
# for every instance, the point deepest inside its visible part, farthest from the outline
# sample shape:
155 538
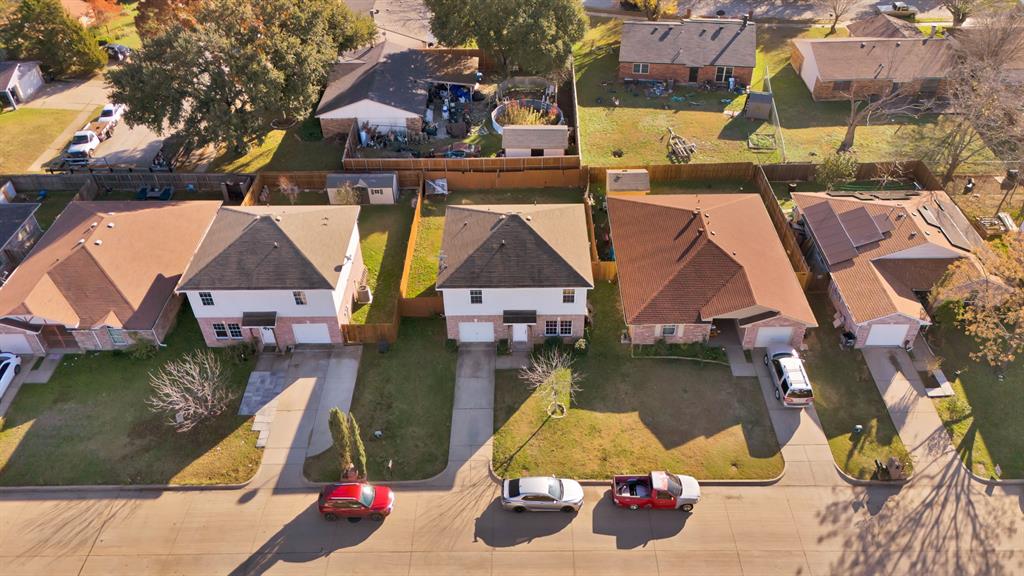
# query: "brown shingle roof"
883 26
694 42
546 137
900 60
880 278
273 247
677 265
515 246
118 273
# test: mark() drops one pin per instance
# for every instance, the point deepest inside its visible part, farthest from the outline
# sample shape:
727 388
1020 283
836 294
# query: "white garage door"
311 334
769 335
15 343
887 335
476 332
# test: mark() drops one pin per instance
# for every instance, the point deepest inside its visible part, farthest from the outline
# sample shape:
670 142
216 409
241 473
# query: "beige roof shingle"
691 258
546 137
899 60
107 264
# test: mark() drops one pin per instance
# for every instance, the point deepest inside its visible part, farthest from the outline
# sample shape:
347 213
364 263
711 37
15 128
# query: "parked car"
118 52
792 386
356 500
10 365
541 494
659 490
111 114
897 9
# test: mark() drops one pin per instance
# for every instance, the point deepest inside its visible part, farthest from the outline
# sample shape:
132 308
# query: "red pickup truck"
656 490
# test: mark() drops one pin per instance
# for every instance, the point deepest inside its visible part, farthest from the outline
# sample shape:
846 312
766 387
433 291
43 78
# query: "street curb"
592 482
991 481
129 487
859 482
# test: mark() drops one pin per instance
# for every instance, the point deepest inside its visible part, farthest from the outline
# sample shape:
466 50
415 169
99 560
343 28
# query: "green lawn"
301 147
845 395
52 206
985 417
384 237
423 272
407 393
121 28
90 425
636 415
27 133
809 129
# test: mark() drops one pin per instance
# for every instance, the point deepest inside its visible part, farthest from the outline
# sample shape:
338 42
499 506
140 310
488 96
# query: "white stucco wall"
546 301
375 113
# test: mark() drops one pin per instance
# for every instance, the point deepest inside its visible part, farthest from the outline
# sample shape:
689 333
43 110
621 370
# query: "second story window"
476 296
300 298
206 298
568 296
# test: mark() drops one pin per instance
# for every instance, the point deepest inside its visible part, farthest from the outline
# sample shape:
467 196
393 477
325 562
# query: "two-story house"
279 276
515 272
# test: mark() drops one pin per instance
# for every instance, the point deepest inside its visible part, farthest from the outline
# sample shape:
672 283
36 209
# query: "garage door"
476 332
887 335
311 334
15 343
769 335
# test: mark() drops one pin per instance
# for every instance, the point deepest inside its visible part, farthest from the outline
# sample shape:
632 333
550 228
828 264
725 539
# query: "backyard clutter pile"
679 150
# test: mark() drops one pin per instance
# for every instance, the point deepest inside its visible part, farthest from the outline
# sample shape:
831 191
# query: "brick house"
387 86
515 272
883 257
690 51
278 276
102 277
692 264
832 69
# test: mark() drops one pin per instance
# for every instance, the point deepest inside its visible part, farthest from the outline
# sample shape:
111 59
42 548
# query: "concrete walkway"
339 385
804 445
913 413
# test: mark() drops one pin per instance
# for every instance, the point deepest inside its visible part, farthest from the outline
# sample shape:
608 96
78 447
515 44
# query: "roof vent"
277 218
81 241
110 224
863 45
913 234
98 242
94 224
529 218
712 232
275 244
898 44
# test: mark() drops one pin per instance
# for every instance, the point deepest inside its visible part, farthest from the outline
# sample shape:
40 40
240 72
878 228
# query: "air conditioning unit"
363 294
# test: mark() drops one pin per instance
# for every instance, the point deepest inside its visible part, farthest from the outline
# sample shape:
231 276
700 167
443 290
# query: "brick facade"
748 333
685 333
283 332
339 127
861 330
504 331
826 91
681 74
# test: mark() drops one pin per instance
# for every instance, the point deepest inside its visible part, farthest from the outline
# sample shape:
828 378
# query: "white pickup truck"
84 143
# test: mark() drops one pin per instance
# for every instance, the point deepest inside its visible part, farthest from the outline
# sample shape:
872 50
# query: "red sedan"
355 500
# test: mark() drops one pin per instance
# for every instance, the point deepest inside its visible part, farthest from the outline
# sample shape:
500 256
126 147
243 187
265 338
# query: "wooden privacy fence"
666 172
605 271
410 248
36 182
782 228
372 333
421 306
570 178
463 164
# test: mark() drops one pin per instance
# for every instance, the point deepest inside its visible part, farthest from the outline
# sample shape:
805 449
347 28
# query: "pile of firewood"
679 150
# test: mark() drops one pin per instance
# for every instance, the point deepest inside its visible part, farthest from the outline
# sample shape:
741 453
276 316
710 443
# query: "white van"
792 387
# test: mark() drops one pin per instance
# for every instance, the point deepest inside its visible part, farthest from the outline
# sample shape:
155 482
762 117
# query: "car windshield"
107 113
366 495
3 369
555 488
80 139
674 487
799 393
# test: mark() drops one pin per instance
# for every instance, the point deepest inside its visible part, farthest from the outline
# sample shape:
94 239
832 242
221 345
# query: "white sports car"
10 364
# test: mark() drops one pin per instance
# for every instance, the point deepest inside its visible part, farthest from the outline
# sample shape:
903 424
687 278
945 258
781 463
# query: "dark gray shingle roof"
12 218
695 42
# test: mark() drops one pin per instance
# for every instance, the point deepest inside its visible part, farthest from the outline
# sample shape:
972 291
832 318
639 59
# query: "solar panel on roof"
883 223
828 231
942 221
860 226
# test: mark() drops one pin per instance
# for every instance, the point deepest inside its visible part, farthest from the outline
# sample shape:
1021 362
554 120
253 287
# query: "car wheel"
765 359
568 509
330 517
686 507
377 517
778 395
634 507
90 153
17 368
519 509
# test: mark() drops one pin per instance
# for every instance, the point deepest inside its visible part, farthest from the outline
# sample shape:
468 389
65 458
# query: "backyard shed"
371 188
758 106
535 140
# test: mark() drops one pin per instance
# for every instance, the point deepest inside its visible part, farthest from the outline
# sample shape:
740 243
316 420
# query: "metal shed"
758 106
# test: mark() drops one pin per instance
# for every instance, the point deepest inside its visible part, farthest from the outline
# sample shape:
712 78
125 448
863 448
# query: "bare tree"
289 189
190 390
893 102
551 374
837 9
960 9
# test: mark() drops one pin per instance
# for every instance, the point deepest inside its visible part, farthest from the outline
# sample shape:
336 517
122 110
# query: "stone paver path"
913 413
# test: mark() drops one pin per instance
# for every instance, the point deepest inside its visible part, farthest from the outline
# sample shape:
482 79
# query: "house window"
639 68
841 86
669 330
476 296
220 331
235 330
117 337
300 298
206 298
568 296
722 74
551 328
565 327
377 191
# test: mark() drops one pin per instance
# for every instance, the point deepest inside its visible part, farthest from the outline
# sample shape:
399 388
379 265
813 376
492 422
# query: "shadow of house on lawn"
384 234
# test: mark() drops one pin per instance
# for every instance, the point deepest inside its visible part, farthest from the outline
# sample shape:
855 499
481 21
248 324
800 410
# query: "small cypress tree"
360 450
341 435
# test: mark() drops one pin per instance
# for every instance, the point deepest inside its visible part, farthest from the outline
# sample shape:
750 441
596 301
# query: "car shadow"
635 528
501 528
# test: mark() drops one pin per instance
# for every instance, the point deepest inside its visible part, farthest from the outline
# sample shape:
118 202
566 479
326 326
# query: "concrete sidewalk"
913 413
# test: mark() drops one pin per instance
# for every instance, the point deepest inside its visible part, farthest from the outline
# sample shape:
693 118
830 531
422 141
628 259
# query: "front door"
520 332
267 337
693 75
